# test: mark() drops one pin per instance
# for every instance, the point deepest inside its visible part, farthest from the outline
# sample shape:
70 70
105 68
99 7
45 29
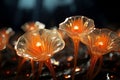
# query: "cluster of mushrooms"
40 44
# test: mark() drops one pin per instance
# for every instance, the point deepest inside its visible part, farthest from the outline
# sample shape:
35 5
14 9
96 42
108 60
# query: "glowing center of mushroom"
76 27
31 28
100 43
38 44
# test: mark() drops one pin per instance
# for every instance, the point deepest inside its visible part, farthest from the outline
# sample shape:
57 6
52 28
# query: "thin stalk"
50 67
99 66
21 62
93 62
76 47
40 69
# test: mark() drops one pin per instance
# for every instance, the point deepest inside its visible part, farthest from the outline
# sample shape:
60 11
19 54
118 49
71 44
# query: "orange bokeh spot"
4 33
30 26
1 44
3 39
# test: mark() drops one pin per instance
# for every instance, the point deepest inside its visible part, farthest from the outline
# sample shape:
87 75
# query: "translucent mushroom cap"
5 34
102 41
40 44
77 25
32 26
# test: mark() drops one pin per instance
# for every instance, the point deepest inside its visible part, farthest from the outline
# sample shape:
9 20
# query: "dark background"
105 14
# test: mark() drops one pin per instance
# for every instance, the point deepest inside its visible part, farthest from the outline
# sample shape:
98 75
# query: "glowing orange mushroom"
40 45
100 42
76 27
33 26
5 34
